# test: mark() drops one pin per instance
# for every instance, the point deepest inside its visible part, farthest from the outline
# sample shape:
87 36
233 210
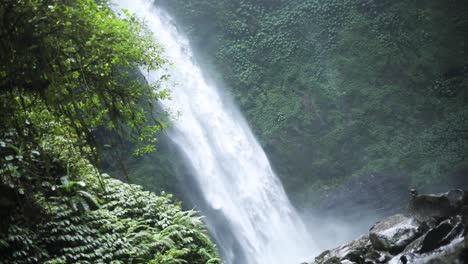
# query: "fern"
128 225
77 222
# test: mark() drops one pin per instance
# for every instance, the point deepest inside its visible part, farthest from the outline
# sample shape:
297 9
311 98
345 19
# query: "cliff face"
432 229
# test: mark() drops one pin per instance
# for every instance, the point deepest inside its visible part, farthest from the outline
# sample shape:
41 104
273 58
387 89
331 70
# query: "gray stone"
374 256
433 231
441 244
451 253
443 234
394 233
353 251
428 207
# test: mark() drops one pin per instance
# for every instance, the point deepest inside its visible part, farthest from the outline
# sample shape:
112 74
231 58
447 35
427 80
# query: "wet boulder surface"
394 233
432 229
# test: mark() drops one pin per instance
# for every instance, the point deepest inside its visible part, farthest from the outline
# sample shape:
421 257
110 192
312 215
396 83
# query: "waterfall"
245 200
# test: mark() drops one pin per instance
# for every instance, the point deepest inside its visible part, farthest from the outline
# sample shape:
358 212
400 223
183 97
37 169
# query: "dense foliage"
75 59
342 88
79 223
68 68
57 212
68 72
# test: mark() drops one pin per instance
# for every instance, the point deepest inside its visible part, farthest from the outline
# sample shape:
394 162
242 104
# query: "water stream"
228 165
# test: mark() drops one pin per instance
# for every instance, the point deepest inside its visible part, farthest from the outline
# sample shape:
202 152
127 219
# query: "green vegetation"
334 89
76 60
75 221
341 88
68 73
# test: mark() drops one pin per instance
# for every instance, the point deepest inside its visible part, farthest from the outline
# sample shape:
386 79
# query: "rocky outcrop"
352 251
432 229
394 233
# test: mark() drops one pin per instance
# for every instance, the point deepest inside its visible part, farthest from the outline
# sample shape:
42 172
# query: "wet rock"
433 231
443 234
322 255
374 256
452 253
353 251
414 246
428 207
441 244
332 260
434 238
394 233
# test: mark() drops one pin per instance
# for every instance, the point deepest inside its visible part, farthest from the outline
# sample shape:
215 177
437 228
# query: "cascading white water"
230 167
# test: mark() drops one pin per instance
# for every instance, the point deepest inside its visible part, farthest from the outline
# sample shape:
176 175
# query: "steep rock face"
432 229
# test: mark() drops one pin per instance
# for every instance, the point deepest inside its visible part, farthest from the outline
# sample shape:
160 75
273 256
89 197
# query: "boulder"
441 244
443 234
394 233
374 257
433 231
428 207
353 251
453 253
414 246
